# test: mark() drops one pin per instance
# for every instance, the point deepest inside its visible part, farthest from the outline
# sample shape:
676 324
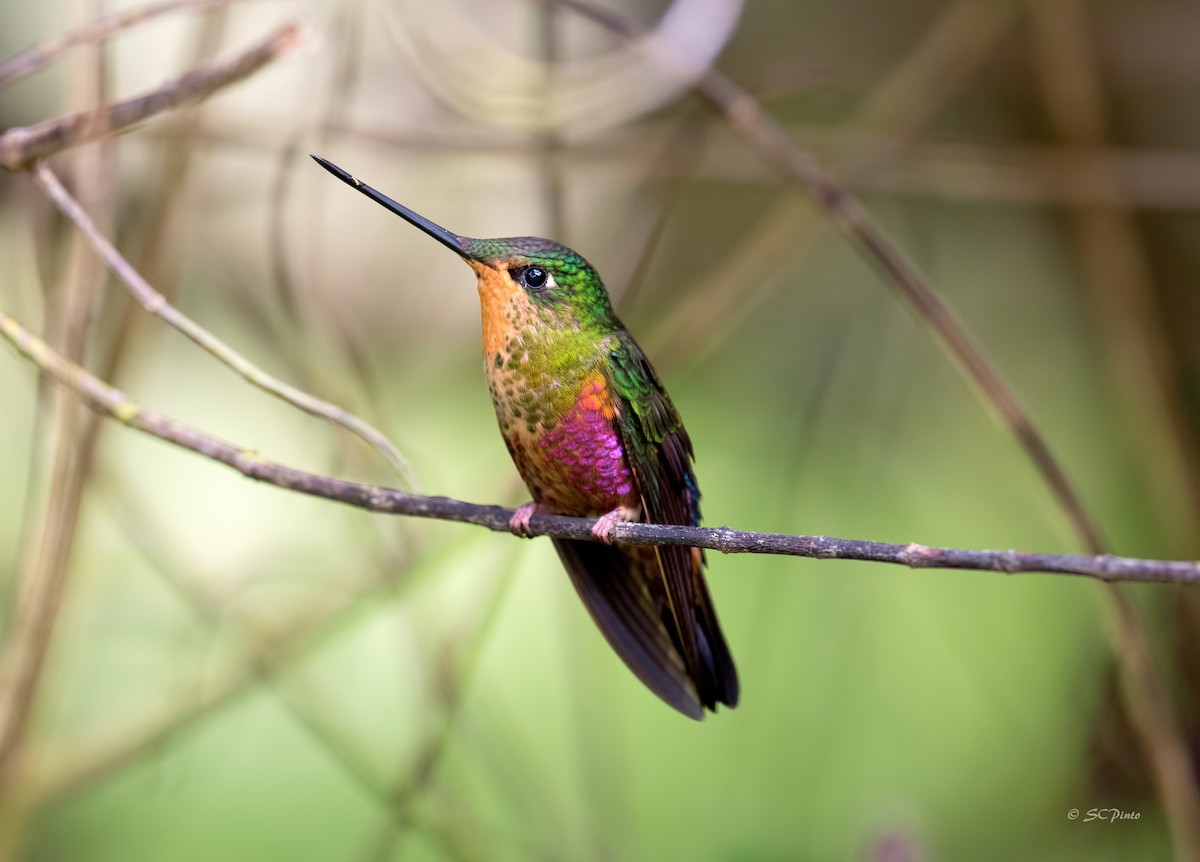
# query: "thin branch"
155 303
374 498
44 575
34 58
22 146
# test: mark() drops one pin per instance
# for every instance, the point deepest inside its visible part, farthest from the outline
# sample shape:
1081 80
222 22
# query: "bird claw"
603 528
519 522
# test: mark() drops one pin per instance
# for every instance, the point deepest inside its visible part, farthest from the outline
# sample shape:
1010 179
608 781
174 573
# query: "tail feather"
622 590
724 687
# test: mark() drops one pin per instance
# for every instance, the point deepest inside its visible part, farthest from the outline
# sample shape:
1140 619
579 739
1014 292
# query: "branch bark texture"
20 147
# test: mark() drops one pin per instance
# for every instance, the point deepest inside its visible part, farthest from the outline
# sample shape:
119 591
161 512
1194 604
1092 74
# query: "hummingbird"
594 434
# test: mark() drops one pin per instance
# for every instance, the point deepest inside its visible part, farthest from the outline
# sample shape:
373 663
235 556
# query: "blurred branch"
1145 693
256 641
548 145
1118 273
34 58
888 120
676 162
48 556
75 773
374 498
1117 269
454 670
462 62
22 146
155 303
1154 178
747 117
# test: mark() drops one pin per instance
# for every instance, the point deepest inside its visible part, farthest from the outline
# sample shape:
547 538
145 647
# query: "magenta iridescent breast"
583 467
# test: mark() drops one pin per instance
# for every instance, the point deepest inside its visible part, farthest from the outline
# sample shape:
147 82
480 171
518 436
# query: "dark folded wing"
660 454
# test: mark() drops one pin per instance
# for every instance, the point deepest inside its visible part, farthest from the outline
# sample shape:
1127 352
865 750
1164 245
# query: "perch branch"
20 147
111 401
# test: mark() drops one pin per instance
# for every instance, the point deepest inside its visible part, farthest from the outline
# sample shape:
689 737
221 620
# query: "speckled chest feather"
556 411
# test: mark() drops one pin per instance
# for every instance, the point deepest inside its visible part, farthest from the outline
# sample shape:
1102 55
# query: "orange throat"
499 303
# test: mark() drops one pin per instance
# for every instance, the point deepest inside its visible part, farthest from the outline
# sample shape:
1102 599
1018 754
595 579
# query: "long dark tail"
623 590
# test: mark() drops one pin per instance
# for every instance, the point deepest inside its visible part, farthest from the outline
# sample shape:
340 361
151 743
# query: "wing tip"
693 709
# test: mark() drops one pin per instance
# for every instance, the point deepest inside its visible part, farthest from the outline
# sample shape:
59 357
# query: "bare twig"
105 398
22 146
34 58
155 303
45 571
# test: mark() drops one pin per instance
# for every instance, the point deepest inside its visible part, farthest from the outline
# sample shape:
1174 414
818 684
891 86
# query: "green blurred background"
242 673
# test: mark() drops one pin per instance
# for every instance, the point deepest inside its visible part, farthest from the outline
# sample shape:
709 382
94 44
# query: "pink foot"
604 525
519 522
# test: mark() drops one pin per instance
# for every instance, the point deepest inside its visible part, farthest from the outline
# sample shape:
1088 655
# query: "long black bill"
451 240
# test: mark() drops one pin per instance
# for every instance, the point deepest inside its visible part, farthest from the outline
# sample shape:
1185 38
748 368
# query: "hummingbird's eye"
534 277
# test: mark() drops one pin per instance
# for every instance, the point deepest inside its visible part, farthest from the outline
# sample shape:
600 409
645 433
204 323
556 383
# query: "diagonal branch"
20 147
106 399
34 58
155 303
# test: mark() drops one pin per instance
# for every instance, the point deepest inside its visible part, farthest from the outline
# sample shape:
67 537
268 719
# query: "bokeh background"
241 673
